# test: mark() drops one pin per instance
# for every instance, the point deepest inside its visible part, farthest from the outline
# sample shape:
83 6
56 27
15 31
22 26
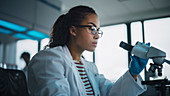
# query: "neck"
75 52
27 62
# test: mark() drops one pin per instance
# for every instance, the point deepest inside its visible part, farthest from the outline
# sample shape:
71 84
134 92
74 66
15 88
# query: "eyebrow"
92 24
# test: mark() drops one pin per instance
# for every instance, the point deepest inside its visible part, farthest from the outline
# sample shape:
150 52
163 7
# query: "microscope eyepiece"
126 46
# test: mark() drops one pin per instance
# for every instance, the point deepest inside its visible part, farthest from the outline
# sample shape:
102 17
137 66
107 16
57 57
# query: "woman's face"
84 39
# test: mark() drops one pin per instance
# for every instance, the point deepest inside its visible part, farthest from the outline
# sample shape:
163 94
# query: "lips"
94 43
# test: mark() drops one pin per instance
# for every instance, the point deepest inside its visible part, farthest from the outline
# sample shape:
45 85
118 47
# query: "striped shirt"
84 77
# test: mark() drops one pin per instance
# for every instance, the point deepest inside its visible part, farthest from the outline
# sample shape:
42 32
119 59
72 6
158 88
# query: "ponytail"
60 32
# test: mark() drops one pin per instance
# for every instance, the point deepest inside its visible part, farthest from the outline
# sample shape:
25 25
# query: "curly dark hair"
60 30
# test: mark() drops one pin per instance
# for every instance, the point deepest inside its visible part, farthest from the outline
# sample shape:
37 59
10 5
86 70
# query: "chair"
13 83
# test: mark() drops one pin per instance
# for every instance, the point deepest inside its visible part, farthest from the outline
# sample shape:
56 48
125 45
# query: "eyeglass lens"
95 31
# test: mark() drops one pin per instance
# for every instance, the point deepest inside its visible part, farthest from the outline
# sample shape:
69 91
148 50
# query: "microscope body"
145 52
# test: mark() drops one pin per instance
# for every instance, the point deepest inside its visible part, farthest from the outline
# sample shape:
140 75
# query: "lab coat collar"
66 50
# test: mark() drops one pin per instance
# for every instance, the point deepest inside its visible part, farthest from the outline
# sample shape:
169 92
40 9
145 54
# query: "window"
44 42
1 53
112 60
157 32
136 32
30 46
88 56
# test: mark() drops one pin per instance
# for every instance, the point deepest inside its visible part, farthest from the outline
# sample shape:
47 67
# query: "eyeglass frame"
90 26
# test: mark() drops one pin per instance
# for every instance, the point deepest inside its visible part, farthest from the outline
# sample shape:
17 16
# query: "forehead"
91 19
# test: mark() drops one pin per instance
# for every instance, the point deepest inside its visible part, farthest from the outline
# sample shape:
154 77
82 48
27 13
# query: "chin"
91 49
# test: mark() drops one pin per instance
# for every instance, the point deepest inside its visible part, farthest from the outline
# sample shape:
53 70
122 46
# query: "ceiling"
118 11
41 14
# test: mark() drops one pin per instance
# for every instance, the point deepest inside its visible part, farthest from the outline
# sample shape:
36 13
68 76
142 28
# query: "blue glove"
137 64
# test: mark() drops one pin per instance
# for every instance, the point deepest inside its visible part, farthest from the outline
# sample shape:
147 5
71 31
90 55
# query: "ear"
73 31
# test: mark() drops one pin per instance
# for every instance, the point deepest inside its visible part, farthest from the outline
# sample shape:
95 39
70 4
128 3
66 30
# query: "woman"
60 70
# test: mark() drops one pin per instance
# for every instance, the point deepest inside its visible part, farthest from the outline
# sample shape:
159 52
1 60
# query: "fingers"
148 43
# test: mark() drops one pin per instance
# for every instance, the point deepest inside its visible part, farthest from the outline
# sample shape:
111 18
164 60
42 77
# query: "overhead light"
5 31
12 26
22 36
37 34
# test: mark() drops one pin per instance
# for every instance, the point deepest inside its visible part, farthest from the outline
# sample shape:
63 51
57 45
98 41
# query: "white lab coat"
52 72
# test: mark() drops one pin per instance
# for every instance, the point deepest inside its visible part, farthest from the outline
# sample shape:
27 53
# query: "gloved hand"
137 64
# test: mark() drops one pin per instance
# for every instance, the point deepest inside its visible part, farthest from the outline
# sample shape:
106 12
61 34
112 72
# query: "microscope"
158 57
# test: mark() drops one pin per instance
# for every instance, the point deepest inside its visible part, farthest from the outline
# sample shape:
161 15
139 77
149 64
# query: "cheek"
85 40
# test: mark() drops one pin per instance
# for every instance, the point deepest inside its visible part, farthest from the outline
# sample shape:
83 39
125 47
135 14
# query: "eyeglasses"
93 30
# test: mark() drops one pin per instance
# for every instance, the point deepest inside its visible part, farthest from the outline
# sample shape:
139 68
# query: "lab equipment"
147 52
161 85
158 56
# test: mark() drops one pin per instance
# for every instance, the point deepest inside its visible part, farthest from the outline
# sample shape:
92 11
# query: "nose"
96 36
